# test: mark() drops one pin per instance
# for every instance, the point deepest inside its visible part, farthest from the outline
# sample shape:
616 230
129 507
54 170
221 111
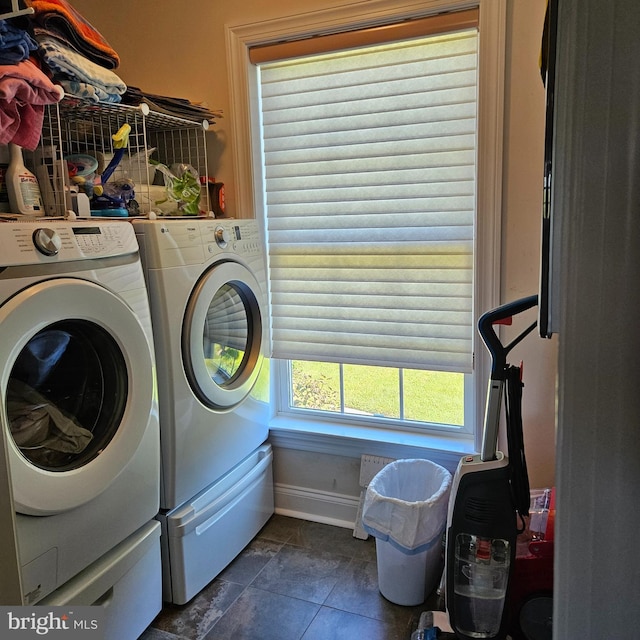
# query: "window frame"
242 77
280 373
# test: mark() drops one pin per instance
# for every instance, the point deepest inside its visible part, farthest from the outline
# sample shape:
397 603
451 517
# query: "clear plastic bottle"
22 185
425 630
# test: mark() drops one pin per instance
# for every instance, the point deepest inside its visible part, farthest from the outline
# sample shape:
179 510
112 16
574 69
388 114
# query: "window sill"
355 440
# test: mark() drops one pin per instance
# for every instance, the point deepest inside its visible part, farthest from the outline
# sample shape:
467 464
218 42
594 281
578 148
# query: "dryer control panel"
43 241
178 242
236 236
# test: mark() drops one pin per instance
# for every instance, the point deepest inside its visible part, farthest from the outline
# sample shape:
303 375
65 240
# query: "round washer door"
222 335
78 389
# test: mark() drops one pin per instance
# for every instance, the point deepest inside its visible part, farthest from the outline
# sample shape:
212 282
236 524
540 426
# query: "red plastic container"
532 577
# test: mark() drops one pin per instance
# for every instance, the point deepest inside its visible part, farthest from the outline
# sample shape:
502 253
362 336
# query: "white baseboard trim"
325 507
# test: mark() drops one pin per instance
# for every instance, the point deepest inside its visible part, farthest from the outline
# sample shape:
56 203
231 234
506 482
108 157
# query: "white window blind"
370 173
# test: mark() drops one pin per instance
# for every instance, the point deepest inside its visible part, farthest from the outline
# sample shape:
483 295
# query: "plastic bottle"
425 630
5 207
22 185
46 170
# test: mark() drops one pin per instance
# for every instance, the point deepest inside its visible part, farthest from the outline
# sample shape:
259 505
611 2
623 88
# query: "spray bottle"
22 185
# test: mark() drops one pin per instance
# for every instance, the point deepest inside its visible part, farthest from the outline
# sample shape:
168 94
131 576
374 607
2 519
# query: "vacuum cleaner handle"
498 367
490 337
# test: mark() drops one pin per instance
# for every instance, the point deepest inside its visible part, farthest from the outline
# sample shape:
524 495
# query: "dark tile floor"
296 580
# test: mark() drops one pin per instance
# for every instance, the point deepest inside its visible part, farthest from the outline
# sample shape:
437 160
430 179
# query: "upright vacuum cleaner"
489 492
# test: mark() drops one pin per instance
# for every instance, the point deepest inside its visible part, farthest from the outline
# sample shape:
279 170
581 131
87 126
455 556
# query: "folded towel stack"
78 75
77 55
58 19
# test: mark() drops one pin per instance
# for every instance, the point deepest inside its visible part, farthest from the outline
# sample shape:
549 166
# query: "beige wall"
178 49
522 194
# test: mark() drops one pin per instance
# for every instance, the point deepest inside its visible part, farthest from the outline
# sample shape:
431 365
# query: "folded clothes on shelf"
59 19
77 74
15 44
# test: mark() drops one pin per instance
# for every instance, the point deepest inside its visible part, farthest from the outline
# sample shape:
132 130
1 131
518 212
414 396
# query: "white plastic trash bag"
406 504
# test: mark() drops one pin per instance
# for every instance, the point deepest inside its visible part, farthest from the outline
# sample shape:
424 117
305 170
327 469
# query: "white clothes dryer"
79 412
207 286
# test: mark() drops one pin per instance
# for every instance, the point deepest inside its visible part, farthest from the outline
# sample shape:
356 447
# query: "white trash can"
405 509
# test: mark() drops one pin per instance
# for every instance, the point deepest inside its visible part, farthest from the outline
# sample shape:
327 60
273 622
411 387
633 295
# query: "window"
415 397
373 173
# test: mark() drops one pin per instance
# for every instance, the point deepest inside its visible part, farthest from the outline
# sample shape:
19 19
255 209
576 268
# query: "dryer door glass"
66 395
222 335
225 335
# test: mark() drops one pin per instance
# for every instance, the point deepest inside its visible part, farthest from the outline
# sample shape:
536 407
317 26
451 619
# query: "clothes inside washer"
35 423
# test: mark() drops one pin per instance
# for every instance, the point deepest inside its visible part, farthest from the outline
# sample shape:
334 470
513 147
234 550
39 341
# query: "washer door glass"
66 395
222 335
78 390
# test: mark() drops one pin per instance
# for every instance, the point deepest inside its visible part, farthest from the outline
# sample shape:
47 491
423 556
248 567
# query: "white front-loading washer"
207 288
79 411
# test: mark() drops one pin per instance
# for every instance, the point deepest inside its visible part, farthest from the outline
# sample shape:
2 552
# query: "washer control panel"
43 241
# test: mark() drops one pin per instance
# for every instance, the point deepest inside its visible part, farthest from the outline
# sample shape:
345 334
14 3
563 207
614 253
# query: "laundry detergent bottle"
22 185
